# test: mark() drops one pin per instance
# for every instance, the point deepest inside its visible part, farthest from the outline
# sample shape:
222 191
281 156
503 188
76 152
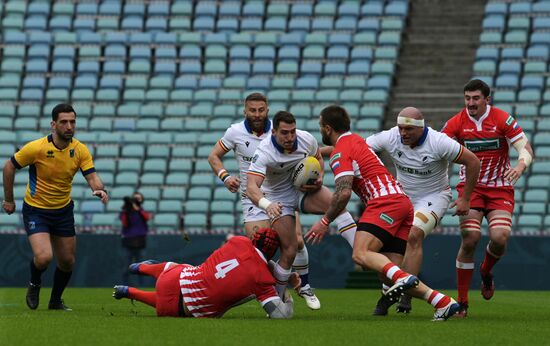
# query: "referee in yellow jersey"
48 209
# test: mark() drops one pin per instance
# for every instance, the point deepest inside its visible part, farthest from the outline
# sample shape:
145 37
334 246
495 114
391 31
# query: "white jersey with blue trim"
243 141
421 170
276 164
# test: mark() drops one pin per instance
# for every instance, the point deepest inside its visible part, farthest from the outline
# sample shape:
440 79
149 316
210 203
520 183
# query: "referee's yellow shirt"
51 170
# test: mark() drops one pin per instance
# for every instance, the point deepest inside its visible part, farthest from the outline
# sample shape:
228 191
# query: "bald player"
421 156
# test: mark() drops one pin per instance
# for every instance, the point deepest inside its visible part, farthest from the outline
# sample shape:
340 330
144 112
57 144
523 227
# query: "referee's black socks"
36 274
60 281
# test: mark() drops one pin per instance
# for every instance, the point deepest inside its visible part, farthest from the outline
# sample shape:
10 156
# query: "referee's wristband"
325 221
264 203
223 175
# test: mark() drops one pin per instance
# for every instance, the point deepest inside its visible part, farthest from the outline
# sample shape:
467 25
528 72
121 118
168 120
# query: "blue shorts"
59 222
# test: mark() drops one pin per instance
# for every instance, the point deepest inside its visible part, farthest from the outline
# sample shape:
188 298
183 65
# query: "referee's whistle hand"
9 207
102 195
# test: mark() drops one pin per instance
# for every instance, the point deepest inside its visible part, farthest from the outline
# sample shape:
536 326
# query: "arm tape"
264 203
520 145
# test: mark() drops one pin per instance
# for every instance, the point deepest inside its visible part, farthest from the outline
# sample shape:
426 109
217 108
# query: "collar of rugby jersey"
281 149
343 135
479 123
267 127
422 138
50 140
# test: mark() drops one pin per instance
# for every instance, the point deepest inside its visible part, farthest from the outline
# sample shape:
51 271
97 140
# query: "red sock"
147 297
488 263
393 272
153 270
438 300
464 272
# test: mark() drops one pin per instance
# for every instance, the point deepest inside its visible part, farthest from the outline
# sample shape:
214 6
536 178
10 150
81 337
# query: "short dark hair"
256 97
478 84
283 116
336 117
62 108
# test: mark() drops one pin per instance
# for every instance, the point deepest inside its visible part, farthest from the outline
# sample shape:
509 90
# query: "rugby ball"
306 171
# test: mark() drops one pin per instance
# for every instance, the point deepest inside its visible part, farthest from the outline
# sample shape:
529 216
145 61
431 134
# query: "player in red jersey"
486 131
234 274
383 228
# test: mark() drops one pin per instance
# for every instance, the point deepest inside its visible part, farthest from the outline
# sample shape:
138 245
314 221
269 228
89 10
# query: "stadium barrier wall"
100 260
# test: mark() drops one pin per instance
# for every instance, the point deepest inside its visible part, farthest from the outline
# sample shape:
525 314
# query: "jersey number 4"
225 267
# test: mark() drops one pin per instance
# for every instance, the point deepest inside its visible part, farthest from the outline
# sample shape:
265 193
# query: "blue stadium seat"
494 22
496 8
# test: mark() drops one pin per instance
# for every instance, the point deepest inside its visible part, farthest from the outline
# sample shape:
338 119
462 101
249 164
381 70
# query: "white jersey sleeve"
259 163
380 141
227 142
445 147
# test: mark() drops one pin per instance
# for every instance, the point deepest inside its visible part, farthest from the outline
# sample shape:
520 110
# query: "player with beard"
270 187
385 224
48 209
243 138
421 157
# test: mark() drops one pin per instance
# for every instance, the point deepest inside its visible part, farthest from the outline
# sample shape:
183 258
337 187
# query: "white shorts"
251 212
435 204
291 201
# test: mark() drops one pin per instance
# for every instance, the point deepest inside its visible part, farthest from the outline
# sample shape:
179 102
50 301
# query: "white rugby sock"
281 276
301 262
346 227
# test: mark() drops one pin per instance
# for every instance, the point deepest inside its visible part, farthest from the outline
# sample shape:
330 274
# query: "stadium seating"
155 84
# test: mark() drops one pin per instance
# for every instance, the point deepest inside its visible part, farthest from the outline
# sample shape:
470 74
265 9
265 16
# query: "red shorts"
394 214
169 291
490 198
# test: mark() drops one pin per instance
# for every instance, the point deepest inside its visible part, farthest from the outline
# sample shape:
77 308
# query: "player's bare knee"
469 244
500 239
42 261
42 258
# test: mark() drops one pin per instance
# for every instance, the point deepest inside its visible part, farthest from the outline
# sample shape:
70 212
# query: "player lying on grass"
234 274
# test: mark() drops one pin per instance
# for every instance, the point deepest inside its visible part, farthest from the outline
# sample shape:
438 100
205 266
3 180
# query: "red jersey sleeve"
510 127
340 161
452 126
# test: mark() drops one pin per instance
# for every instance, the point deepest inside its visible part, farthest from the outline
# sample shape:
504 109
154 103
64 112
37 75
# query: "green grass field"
512 317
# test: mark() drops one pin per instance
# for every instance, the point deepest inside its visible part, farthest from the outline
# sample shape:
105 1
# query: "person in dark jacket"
134 230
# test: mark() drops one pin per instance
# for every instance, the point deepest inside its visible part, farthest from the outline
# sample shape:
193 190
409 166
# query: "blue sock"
305 279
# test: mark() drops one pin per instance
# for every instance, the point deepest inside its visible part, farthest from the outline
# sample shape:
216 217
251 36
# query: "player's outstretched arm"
326 151
340 198
8 204
232 183
472 164
97 187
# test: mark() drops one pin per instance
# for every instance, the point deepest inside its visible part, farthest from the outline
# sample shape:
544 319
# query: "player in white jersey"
270 187
243 138
421 157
